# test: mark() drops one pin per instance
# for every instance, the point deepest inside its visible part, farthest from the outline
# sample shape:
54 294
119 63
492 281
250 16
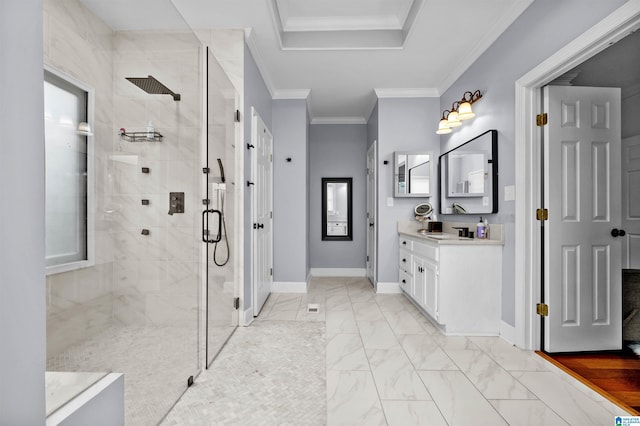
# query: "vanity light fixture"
460 110
443 126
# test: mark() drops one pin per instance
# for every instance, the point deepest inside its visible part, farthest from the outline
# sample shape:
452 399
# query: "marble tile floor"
386 364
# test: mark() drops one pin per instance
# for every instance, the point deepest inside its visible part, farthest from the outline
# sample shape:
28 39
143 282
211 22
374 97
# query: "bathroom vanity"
456 281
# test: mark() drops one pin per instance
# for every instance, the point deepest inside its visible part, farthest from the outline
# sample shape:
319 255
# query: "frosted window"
65 106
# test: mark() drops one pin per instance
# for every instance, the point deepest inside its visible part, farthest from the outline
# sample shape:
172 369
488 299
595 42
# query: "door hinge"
271 271
542 119
367 258
206 170
236 303
237 117
542 214
271 158
542 309
270 215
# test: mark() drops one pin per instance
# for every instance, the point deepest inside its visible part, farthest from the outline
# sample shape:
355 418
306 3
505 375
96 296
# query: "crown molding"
250 40
338 120
291 93
407 93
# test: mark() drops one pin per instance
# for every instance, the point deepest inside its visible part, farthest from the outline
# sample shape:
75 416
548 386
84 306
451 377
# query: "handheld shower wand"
222 179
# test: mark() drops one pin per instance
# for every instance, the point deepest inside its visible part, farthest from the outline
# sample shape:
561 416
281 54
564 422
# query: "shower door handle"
205 230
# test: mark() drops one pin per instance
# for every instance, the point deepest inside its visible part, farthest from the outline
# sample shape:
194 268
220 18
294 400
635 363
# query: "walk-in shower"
140 306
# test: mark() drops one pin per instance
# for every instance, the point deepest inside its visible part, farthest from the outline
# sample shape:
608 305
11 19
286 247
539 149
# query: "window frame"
90 186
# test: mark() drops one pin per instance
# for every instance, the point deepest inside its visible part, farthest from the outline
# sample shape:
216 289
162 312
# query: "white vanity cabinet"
458 284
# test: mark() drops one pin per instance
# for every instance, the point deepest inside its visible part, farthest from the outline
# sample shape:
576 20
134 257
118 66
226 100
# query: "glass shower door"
219 213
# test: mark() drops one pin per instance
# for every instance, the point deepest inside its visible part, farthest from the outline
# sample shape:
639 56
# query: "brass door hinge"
542 214
542 119
542 309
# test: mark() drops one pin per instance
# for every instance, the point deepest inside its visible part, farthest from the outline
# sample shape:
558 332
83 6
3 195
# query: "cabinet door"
418 292
430 278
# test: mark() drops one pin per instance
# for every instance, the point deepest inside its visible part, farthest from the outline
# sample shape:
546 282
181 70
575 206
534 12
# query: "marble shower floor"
386 364
156 362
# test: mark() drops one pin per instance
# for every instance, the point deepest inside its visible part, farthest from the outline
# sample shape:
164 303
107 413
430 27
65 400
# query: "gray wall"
338 150
544 28
290 191
403 125
22 270
255 95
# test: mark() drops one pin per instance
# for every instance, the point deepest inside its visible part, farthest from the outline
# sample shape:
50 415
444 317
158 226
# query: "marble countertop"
449 236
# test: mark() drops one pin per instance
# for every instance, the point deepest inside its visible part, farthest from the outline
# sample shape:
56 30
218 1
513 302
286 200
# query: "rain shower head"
152 86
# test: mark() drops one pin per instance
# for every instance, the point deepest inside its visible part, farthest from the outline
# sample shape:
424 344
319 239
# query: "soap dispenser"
480 229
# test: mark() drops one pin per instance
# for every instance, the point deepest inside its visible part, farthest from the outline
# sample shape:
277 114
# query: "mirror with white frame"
468 176
412 174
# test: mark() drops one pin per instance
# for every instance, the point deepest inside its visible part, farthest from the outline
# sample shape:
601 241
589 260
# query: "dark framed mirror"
468 176
336 209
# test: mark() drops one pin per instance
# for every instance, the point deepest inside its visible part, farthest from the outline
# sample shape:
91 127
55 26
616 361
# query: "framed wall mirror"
468 176
336 209
412 174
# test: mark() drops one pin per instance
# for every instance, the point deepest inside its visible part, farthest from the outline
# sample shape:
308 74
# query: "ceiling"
339 54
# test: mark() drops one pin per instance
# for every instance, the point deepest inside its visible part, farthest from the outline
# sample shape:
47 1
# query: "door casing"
528 172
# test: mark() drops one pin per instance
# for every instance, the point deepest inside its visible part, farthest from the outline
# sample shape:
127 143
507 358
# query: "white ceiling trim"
342 33
407 93
338 120
483 44
291 94
257 57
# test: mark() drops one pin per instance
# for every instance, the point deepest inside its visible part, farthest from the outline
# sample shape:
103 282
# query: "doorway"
613 29
262 211
371 214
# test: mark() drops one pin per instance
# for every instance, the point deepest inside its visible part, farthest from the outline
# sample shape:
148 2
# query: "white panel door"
582 192
262 212
631 202
371 213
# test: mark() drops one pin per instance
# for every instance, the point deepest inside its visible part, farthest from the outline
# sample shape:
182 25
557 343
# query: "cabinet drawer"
426 251
405 261
405 282
406 243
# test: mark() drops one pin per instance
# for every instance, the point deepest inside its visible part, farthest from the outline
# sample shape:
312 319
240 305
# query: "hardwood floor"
616 375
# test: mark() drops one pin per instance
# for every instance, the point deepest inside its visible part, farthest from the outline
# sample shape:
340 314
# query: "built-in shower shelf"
141 137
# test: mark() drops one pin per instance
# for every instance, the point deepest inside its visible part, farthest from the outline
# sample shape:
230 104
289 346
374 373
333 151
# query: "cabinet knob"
404 260
404 281
404 243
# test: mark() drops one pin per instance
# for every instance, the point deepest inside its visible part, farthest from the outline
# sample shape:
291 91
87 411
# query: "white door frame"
373 261
527 104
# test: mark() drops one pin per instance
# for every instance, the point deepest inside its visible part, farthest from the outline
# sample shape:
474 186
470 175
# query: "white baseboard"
507 332
338 272
388 288
247 317
288 287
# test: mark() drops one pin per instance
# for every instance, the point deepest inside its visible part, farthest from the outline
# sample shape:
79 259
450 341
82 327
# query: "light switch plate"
509 193
389 201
